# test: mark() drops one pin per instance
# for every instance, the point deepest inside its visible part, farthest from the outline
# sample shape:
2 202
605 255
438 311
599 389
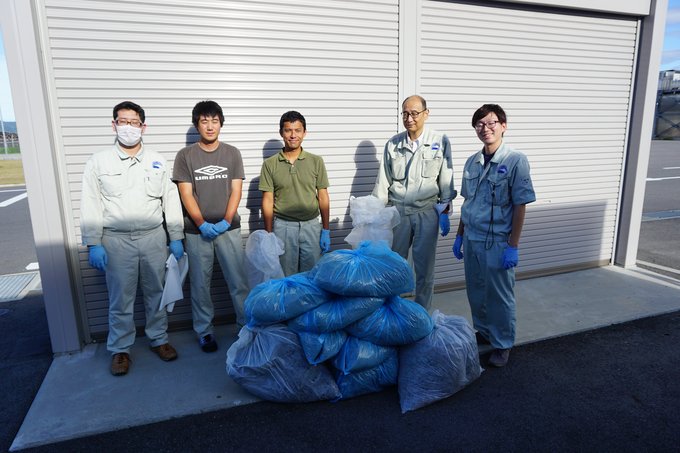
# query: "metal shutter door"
565 82
336 62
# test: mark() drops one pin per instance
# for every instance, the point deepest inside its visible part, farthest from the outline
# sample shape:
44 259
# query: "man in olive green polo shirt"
294 187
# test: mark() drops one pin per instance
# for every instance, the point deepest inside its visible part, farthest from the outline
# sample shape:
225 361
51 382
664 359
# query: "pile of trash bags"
342 330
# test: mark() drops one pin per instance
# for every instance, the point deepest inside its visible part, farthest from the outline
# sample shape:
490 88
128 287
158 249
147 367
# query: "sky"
669 60
6 106
671 41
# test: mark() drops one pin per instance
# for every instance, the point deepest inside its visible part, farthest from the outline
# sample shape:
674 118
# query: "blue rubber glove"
457 245
325 241
208 231
444 224
510 257
176 248
222 226
98 258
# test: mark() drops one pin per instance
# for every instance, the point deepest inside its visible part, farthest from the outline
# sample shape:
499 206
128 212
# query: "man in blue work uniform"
497 187
416 176
127 194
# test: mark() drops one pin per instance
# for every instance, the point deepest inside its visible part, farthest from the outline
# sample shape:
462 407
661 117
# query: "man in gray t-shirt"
210 177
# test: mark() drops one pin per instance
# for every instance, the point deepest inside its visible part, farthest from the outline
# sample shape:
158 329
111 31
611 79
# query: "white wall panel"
334 61
565 83
564 79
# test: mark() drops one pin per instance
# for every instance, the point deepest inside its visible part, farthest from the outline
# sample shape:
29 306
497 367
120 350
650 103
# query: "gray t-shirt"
210 174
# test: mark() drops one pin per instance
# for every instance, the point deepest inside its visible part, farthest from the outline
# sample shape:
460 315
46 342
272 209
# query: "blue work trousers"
490 291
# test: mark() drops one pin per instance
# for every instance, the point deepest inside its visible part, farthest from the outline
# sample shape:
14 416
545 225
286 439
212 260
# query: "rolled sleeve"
522 186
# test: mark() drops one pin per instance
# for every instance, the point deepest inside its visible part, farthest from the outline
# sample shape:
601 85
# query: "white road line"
663 179
13 200
12 190
671 168
32 267
661 215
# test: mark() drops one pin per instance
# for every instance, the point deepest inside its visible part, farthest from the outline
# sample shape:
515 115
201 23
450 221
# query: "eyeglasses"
124 122
413 114
490 124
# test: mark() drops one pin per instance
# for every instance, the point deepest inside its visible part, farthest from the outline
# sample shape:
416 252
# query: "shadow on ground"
25 357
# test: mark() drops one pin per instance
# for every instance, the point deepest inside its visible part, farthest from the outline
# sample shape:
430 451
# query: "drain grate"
13 286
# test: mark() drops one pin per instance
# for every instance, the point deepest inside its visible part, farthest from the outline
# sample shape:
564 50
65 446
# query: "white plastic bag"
371 220
175 274
262 257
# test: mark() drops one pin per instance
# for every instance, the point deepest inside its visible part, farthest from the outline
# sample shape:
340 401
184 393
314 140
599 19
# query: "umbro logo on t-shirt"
211 172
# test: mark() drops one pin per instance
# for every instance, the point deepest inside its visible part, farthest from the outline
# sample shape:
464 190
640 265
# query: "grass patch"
11 172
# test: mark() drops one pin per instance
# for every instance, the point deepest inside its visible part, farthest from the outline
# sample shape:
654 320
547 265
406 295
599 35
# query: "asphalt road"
662 191
660 228
18 247
614 389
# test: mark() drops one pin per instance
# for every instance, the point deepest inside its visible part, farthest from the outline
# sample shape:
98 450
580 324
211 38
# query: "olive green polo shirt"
294 185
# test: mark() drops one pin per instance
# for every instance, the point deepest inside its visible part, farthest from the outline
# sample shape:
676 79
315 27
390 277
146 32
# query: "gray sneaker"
499 357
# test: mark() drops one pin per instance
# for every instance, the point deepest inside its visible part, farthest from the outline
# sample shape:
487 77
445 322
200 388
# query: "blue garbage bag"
335 314
269 363
397 322
439 365
319 347
371 380
371 270
282 299
358 355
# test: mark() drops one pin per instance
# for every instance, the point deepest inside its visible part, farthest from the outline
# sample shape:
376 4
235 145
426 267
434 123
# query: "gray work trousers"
201 252
135 258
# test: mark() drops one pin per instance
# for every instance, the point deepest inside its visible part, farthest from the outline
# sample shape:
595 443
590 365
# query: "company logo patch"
156 164
435 146
502 170
211 170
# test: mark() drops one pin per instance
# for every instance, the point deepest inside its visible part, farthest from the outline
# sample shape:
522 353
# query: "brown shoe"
120 363
165 352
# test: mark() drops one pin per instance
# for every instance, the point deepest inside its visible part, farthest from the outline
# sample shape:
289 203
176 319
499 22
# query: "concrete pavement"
79 397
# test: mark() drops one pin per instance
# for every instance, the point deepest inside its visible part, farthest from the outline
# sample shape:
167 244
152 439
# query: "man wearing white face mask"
127 194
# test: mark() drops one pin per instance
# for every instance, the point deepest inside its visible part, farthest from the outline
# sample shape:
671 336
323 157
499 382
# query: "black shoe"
481 339
499 357
208 343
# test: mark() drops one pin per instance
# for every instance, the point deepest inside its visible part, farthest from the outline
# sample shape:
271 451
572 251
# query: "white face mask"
128 135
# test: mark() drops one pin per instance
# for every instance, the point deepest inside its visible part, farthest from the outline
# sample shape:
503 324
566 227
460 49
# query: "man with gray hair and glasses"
416 176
